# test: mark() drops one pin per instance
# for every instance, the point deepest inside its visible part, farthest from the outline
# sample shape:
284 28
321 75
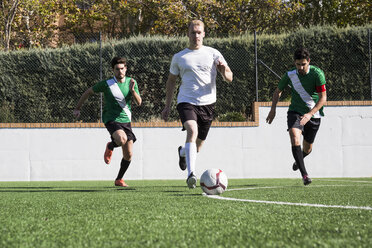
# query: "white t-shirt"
198 72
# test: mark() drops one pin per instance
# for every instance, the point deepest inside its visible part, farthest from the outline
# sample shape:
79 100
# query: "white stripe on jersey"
297 86
118 95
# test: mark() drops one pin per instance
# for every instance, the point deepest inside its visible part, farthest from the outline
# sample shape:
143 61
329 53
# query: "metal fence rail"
263 75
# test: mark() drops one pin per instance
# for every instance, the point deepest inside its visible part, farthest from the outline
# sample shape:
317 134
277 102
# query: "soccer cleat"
120 183
191 181
294 166
108 154
182 160
306 180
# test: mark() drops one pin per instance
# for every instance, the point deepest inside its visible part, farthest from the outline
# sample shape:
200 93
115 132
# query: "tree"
28 23
37 23
8 12
111 17
334 12
43 23
222 17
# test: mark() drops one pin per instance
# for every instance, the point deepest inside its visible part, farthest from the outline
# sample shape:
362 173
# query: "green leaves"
48 23
44 85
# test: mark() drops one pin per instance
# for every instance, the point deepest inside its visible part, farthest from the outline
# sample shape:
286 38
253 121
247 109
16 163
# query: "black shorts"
203 115
113 126
309 130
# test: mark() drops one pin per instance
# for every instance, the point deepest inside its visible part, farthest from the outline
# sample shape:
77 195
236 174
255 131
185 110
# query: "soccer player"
197 66
118 91
309 95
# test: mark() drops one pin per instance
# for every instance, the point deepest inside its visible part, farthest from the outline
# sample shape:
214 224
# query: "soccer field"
165 213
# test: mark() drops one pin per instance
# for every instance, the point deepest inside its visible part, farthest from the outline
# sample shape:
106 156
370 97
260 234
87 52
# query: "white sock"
190 150
183 152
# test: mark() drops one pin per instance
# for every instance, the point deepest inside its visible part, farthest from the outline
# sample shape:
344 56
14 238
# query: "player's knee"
307 150
295 141
121 140
192 135
307 147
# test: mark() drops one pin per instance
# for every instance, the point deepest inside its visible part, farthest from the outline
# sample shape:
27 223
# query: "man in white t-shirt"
197 66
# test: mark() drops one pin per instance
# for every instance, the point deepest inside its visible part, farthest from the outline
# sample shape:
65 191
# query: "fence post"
256 64
100 73
370 61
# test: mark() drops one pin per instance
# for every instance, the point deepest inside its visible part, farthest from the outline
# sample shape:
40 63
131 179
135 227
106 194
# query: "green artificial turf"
165 213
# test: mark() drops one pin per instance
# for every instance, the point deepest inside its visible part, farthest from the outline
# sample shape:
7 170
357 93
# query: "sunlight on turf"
162 213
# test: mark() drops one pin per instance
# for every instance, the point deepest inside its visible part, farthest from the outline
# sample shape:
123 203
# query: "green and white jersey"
118 99
305 89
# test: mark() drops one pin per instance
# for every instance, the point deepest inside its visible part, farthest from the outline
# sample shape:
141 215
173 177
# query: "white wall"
343 148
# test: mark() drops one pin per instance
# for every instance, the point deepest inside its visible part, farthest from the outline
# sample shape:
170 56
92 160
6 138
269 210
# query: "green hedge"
44 85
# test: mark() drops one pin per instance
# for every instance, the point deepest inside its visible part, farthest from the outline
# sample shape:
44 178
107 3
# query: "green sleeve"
321 78
284 81
100 87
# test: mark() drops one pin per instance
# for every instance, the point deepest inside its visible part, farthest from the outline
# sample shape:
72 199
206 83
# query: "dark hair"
118 60
301 53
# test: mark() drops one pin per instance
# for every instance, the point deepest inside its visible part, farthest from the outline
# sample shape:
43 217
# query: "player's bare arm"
225 71
170 86
81 101
322 100
270 117
137 98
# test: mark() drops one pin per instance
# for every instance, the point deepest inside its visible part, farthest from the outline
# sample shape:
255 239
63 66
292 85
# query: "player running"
197 66
309 95
118 92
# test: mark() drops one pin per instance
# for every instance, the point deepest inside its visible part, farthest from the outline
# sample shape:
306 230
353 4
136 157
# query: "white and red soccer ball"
213 181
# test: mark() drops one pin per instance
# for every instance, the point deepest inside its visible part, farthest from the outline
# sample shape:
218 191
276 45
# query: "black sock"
112 145
123 168
297 154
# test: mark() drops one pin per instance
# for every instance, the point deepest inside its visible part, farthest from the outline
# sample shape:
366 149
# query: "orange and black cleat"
108 154
120 183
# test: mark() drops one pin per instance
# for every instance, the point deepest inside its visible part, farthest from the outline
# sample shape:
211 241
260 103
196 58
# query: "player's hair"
118 60
301 53
196 23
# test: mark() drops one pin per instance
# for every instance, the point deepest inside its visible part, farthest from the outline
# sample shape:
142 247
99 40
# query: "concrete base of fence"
343 148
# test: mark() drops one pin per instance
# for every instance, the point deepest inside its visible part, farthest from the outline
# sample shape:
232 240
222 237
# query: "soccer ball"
213 181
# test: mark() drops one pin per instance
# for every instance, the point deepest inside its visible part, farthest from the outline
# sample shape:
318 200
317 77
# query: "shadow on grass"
26 187
155 188
172 191
243 186
55 189
126 189
188 195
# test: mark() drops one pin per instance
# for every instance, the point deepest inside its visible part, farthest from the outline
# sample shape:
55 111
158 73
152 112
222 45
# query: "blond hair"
196 23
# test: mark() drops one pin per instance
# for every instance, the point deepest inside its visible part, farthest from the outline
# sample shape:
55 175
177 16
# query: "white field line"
289 203
251 188
278 187
339 180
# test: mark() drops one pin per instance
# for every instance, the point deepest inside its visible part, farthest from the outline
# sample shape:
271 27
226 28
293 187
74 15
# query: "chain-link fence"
346 64
257 62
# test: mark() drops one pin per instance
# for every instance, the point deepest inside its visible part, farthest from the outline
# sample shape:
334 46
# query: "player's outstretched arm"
270 117
81 101
170 86
136 97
